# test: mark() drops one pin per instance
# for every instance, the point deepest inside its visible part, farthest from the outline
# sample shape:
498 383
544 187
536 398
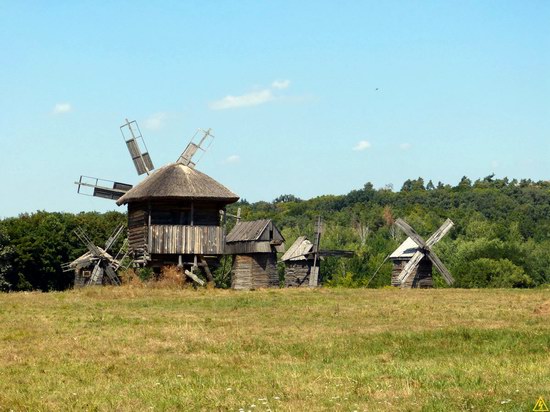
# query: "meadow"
139 349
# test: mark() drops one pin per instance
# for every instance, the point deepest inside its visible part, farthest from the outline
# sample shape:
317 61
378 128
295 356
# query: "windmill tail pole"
376 271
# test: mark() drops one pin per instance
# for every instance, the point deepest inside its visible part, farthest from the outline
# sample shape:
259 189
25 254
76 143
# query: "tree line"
501 236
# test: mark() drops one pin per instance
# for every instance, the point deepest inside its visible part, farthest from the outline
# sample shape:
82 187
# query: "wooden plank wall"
137 229
254 271
175 239
296 271
420 278
236 248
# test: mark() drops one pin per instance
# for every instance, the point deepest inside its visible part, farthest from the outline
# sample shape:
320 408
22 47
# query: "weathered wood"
194 277
410 232
204 264
421 276
176 239
236 248
254 271
297 272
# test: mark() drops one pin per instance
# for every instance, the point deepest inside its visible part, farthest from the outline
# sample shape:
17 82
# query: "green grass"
145 349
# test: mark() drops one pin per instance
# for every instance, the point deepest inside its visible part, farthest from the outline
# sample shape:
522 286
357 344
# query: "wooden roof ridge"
250 231
177 181
299 249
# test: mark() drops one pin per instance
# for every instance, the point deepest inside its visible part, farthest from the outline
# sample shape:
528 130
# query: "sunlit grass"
135 348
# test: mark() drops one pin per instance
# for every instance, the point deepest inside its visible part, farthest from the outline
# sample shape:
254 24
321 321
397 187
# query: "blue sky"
305 98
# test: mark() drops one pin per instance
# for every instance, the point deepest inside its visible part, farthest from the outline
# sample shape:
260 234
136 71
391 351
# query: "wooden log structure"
174 218
254 246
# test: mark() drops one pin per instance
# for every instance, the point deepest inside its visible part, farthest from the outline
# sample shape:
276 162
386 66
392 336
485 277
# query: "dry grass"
141 348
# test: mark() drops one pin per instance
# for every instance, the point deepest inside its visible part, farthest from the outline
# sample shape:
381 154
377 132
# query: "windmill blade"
441 268
97 273
114 237
136 146
94 250
410 232
112 274
106 189
186 158
439 233
410 266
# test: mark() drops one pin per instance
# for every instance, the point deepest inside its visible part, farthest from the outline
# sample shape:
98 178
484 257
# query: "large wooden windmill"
174 213
414 258
97 266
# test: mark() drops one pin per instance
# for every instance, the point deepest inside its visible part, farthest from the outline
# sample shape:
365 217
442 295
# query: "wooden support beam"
206 269
194 277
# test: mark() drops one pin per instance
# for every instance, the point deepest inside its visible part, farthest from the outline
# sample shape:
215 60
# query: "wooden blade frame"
410 266
106 189
441 268
203 144
114 237
137 147
410 232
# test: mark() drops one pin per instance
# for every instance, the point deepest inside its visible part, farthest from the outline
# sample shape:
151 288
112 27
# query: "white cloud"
405 146
280 84
61 108
245 100
494 164
251 99
155 121
233 159
362 145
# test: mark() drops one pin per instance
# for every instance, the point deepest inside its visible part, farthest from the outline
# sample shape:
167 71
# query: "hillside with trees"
501 236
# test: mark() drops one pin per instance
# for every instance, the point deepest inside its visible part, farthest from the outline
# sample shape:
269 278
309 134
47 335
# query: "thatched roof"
176 181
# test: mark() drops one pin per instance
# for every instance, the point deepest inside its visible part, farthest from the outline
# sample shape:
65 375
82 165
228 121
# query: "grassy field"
281 350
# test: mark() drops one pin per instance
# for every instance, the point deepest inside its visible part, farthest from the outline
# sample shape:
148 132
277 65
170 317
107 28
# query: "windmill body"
254 246
174 217
421 276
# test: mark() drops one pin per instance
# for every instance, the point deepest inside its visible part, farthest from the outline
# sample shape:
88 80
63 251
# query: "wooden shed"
298 260
421 277
174 218
254 246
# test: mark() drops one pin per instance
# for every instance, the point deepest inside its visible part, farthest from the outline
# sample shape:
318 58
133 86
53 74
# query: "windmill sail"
186 158
136 146
106 189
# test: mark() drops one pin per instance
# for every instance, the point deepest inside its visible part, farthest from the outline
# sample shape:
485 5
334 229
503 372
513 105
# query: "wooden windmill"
174 213
97 266
303 258
414 258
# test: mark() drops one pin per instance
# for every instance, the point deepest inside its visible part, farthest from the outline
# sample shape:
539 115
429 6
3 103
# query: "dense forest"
501 236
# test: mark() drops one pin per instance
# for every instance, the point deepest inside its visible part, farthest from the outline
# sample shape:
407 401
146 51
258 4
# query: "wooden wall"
420 278
182 240
296 271
237 248
137 229
254 271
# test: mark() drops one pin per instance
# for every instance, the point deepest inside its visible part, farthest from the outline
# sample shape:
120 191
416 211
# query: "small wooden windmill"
97 266
414 258
303 259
